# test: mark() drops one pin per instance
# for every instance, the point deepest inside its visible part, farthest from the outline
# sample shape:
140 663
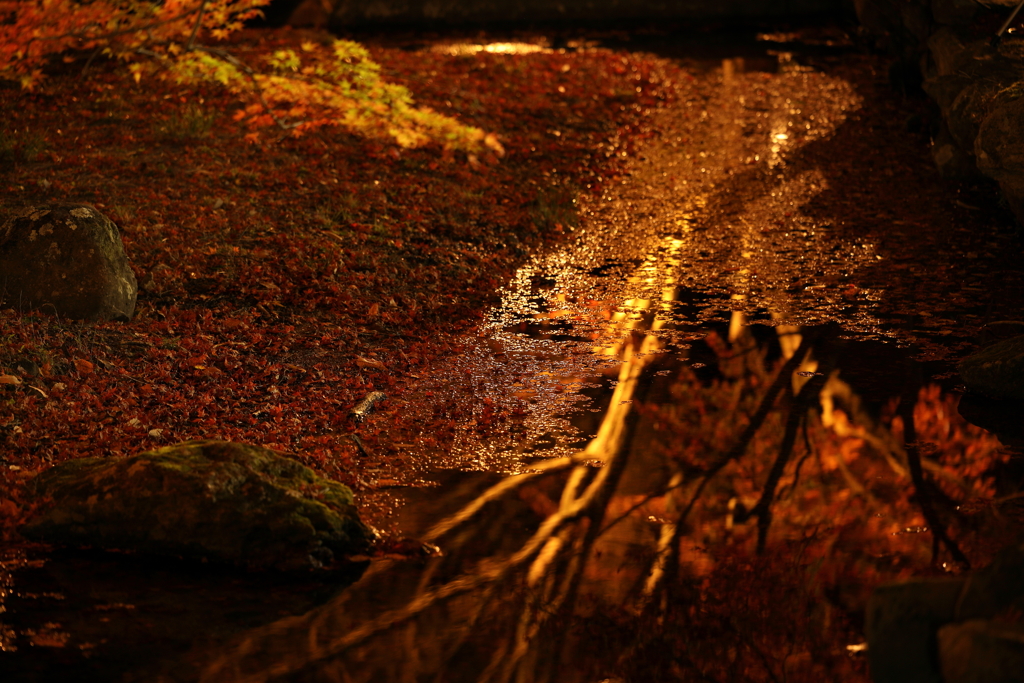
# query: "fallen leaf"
9 379
83 366
370 363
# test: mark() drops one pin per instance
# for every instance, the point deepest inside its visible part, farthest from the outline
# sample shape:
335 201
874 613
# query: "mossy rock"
996 371
67 259
214 500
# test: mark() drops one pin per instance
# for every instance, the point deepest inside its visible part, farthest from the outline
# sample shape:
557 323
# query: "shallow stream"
686 445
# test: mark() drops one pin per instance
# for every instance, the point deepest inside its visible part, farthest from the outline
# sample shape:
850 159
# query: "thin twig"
784 376
89 61
763 508
643 501
921 487
195 27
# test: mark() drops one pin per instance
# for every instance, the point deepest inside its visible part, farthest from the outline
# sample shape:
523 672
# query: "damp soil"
682 444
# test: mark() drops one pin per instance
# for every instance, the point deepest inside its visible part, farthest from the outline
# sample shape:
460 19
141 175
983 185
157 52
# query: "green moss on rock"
217 500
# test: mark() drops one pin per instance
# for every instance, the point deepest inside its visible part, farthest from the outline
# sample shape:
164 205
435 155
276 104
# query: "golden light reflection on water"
568 316
506 48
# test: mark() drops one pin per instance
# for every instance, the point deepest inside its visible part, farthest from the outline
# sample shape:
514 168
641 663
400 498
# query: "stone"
212 500
66 259
999 147
1013 192
917 21
878 16
936 630
952 161
994 588
945 47
981 651
954 12
965 65
901 622
976 102
996 371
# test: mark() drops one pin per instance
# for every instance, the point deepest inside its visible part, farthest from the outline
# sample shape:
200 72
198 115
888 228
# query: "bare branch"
195 27
763 509
922 487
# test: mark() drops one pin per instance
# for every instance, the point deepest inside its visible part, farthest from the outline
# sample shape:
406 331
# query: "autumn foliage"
337 86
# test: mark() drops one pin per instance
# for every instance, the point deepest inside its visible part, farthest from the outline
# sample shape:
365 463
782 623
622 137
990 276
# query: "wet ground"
685 446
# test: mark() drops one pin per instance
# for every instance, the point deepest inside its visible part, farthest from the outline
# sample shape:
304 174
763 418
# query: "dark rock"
982 651
954 12
952 161
902 620
879 16
996 371
1013 191
909 632
993 589
972 82
999 147
917 20
978 649
66 259
945 89
961 65
946 47
1002 418
215 500
975 102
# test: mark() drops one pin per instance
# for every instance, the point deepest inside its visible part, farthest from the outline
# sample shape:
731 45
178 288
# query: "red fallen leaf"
370 363
374 310
232 323
83 366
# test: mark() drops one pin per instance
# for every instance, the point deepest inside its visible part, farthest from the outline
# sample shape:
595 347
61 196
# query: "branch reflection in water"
634 557
724 522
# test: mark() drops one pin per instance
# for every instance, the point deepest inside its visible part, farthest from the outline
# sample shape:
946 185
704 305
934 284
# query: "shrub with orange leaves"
340 87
